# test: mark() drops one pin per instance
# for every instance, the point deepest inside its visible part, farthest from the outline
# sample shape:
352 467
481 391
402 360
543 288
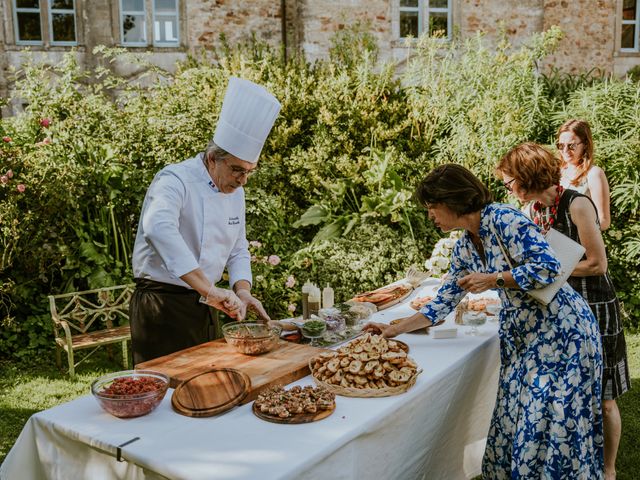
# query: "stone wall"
590 29
237 20
518 20
319 20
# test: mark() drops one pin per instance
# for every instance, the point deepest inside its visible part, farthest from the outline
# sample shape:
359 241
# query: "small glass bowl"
315 333
474 320
112 392
252 338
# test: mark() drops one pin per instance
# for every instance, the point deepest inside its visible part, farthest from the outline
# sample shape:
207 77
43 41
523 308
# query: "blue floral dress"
547 421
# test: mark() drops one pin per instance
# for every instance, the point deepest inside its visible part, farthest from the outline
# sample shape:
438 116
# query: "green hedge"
332 199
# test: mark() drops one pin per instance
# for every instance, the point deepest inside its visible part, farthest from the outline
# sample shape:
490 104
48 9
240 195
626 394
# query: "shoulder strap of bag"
502 247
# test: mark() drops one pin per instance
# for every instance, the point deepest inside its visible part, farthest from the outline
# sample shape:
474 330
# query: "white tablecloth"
436 430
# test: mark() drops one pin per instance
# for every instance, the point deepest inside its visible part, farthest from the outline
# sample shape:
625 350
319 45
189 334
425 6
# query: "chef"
192 226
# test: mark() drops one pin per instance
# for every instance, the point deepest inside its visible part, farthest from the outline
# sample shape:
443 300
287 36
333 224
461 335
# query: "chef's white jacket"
187 223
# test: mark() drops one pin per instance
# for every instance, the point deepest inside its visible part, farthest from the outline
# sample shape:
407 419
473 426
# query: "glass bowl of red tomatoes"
130 393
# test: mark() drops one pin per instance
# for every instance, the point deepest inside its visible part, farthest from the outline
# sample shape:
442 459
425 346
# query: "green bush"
332 199
369 256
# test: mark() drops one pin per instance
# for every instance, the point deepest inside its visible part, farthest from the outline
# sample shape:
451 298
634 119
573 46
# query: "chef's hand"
251 302
477 282
226 301
387 331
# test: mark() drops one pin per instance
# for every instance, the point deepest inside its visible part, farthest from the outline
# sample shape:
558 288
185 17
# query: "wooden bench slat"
112 335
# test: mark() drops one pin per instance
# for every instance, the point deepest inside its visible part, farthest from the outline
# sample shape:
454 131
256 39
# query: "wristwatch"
500 280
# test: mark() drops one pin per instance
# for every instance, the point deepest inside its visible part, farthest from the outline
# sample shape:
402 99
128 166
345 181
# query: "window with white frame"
420 16
629 39
35 20
133 29
165 22
155 19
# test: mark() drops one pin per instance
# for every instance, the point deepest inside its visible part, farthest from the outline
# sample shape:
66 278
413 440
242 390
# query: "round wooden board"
210 393
294 419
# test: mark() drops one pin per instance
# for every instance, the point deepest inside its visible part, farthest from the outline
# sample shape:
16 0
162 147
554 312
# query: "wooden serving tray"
298 418
390 303
384 306
287 363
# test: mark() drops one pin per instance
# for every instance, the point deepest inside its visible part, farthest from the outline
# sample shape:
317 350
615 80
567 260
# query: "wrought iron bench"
88 319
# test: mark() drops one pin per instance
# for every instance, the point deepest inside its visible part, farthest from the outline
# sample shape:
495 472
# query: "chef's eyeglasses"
239 172
569 146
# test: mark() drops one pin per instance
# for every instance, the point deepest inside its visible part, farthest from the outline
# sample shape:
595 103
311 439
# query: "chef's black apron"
165 318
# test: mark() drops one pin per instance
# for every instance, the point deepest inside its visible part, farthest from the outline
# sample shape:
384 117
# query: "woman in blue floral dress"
535 175
547 421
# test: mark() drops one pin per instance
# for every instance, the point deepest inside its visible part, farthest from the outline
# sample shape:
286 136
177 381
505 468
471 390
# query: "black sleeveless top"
594 289
599 292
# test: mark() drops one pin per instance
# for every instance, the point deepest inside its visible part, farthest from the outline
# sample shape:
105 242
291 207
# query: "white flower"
449 242
442 263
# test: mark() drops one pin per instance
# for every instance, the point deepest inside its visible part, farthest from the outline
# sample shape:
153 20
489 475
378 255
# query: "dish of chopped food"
296 405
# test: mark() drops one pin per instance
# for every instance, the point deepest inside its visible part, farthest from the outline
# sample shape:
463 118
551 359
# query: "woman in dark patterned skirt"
575 215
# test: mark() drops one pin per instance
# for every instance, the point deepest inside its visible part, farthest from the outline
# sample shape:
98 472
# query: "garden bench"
88 319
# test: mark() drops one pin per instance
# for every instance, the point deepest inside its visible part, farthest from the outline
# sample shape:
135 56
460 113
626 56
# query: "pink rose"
4 179
9 173
255 244
291 308
21 188
6 139
274 260
45 122
291 281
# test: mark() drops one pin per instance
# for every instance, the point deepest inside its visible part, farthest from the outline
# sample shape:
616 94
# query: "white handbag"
568 253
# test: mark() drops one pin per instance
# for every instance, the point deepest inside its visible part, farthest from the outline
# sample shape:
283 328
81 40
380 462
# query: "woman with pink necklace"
532 175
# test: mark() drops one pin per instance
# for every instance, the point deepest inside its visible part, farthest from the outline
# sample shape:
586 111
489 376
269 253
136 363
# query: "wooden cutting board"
283 365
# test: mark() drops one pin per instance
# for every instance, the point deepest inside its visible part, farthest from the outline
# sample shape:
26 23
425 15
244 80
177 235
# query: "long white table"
436 430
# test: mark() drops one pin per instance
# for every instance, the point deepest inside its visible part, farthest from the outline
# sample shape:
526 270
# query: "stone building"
598 33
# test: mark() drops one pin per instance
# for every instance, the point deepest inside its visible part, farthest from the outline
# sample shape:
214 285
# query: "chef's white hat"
248 113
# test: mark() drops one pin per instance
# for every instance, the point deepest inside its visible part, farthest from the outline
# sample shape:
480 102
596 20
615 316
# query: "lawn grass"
628 464
37 384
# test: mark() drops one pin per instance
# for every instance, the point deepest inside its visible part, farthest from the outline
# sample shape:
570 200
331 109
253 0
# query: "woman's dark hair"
456 187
